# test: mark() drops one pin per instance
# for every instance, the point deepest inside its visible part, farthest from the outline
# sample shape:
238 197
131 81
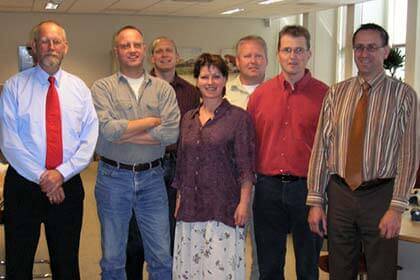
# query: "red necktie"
53 127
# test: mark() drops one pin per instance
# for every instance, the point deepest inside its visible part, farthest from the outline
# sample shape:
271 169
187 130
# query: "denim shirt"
116 104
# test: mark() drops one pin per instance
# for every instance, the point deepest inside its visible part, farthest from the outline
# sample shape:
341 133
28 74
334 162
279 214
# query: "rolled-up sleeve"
110 127
167 133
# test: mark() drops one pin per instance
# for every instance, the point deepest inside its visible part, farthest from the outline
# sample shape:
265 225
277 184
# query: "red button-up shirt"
285 120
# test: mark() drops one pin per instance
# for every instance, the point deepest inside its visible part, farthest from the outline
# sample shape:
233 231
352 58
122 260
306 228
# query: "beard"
51 61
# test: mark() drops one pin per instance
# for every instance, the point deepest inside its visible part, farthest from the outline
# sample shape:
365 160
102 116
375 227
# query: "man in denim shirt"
138 117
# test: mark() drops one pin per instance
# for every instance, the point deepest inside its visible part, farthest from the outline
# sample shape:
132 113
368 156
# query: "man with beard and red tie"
48 133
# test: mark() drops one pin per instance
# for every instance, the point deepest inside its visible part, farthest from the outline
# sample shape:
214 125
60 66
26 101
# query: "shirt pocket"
125 109
150 105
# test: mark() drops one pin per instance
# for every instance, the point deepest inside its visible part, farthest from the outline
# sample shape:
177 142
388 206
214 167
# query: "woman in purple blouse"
214 178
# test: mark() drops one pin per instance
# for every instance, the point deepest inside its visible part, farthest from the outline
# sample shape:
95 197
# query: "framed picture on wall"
25 59
187 57
230 58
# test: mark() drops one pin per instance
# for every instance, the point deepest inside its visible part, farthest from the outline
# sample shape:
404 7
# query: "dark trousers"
25 208
353 219
135 252
280 208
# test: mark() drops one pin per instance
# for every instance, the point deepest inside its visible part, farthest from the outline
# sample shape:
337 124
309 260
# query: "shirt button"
286 123
282 154
197 158
196 172
284 138
198 141
195 188
281 170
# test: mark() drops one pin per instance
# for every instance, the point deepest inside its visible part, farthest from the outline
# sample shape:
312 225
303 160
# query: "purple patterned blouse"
213 161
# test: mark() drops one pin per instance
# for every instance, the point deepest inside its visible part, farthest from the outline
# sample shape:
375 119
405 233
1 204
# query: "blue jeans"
118 192
280 208
135 251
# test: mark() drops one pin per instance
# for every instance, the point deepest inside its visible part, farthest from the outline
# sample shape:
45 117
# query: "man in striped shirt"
366 215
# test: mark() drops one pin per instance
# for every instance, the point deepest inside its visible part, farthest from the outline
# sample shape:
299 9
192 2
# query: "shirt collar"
236 85
375 82
43 76
147 78
176 82
223 107
299 84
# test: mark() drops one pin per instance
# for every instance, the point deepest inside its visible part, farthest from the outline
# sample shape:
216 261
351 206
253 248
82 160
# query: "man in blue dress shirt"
48 133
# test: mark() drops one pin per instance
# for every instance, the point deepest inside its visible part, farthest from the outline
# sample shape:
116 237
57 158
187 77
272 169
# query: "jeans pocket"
105 169
158 171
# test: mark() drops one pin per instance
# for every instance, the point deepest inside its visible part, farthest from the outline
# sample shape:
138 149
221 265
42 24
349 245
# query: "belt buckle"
286 178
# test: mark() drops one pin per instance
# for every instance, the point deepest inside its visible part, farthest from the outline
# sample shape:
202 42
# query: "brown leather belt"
135 167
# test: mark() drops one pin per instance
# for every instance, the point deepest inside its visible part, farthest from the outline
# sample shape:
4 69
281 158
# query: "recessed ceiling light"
267 2
233 11
51 6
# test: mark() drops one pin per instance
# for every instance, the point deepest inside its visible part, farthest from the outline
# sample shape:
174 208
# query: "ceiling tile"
127 5
166 7
177 8
91 6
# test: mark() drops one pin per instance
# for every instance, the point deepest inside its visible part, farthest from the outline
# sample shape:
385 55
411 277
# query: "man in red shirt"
285 113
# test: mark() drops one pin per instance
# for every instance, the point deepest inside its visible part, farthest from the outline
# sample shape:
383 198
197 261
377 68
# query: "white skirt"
208 250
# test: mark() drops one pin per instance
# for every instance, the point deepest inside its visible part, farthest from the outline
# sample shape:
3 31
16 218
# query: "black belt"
365 185
136 167
288 177
170 155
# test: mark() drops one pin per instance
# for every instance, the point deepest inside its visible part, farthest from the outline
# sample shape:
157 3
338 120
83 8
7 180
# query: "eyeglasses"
296 51
126 46
47 41
370 48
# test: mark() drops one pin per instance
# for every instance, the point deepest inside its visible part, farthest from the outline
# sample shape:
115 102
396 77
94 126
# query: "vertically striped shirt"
390 149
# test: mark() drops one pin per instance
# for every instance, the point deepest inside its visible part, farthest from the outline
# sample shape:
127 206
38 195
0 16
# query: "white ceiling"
193 8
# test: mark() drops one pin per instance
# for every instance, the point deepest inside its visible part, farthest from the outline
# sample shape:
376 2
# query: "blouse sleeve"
176 182
244 149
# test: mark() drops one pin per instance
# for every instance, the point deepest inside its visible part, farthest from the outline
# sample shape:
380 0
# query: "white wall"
90 38
323 28
412 65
